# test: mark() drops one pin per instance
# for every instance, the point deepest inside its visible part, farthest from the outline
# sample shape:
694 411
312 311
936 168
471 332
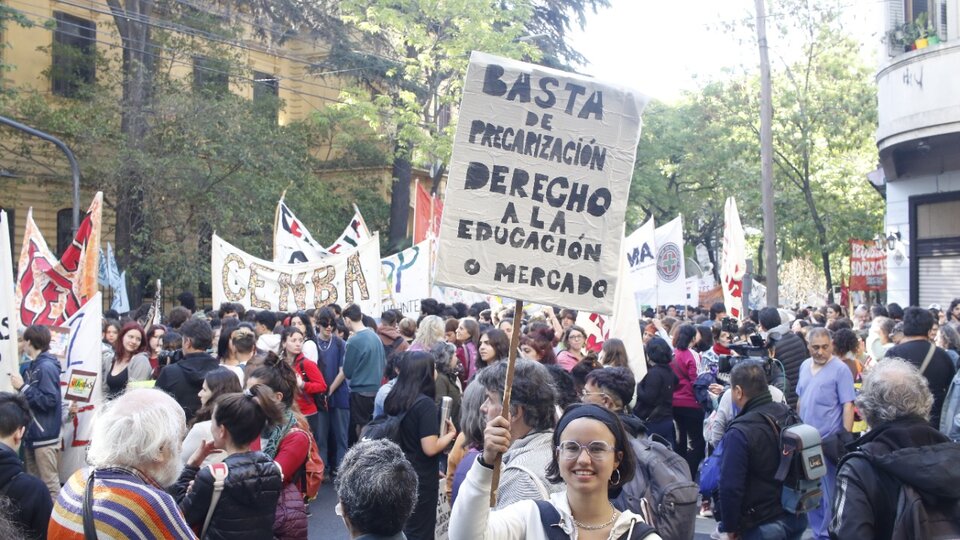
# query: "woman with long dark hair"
217 382
687 412
494 346
537 345
310 381
301 321
130 362
468 341
154 345
413 397
614 354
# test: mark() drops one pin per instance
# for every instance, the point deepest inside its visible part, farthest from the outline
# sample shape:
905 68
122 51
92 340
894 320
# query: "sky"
664 47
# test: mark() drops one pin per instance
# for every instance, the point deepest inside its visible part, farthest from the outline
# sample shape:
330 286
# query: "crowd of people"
220 424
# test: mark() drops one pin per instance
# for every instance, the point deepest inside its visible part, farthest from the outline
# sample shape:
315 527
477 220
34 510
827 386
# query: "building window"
211 76
266 95
74 54
64 229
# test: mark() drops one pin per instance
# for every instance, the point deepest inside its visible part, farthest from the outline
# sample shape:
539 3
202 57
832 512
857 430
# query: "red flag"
49 291
427 215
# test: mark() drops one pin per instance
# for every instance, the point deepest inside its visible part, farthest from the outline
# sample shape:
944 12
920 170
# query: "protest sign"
868 266
538 185
641 248
671 270
258 284
81 373
406 278
9 358
733 264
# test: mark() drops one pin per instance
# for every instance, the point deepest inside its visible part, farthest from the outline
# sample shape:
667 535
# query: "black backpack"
386 426
391 349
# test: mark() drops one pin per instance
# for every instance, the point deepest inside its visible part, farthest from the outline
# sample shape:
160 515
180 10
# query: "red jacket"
313 383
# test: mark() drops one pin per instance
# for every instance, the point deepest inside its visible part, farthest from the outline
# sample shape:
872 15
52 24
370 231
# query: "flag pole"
276 222
416 193
507 390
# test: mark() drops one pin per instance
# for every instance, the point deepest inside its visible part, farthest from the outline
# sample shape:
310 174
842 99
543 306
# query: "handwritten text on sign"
538 185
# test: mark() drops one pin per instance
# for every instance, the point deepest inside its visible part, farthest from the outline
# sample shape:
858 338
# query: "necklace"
598 527
321 347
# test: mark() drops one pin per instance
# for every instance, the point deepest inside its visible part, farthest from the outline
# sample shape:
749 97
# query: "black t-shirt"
422 420
939 371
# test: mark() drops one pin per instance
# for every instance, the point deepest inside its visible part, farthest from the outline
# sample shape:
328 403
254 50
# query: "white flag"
292 242
113 271
9 358
641 252
733 261
355 234
81 375
671 277
121 302
626 322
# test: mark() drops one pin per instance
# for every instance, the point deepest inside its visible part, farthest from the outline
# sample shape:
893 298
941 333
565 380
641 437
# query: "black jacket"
906 451
247 504
655 394
30 498
184 379
749 493
791 351
939 372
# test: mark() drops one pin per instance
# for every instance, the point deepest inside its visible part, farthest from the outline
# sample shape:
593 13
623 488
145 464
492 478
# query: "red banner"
868 266
426 219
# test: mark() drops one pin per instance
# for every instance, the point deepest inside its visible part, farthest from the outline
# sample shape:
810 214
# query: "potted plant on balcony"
922 31
900 38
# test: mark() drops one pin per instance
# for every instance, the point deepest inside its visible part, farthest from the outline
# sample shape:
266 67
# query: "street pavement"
326 525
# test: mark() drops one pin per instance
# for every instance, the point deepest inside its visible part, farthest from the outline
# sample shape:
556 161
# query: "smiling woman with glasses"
591 457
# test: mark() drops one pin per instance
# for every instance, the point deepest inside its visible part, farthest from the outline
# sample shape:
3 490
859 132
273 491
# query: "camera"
165 358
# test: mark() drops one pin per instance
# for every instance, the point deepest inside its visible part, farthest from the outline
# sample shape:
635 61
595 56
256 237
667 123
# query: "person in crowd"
111 331
247 505
532 418
687 412
30 500
469 441
154 345
591 462
408 329
363 365
450 330
787 347
932 361
334 421
448 379
413 396
879 339
848 347
310 381
177 317
41 388
564 386
573 341
655 391
187 301
537 345
826 395
134 451
184 379
468 344
506 322
568 318
901 448
953 312
393 341
242 347
494 347
718 312
287 443
390 373
222 339
430 331
749 493
264 322
834 312
948 339
614 354
726 411
582 369
709 360
301 321
130 362
376 490
216 383
230 310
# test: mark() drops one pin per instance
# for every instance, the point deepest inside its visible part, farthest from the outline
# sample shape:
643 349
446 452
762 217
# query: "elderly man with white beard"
134 452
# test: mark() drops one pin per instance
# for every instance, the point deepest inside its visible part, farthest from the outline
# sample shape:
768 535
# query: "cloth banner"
733 260
292 242
255 283
640 248
121 302
671 276
539 177
83 355
692 285
49 290
406 278
9 356
427 212
355 234
868 266
626 323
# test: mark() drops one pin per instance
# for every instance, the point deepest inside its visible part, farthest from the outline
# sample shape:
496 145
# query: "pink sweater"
685 366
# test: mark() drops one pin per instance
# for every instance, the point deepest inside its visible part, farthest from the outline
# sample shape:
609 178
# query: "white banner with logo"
641 248
255 283
671 277
406 278
537 192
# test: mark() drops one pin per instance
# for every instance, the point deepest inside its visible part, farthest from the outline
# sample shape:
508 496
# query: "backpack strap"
6 487
551 521
786 454
927 358
638 531
219 472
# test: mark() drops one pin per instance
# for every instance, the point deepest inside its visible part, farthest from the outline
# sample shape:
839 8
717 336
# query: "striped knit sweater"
125 506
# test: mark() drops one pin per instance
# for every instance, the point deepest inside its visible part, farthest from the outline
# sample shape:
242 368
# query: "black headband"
586 410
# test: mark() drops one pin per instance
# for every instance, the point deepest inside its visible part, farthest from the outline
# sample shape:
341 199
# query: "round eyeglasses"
570 450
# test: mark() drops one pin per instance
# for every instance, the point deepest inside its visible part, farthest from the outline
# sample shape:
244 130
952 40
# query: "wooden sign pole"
507 390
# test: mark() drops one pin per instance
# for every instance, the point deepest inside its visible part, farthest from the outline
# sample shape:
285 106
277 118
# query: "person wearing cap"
591 461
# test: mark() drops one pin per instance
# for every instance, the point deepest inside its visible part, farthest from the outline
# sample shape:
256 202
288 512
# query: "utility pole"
766 160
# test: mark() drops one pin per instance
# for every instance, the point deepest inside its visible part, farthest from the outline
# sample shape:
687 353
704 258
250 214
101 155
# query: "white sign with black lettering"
538 185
